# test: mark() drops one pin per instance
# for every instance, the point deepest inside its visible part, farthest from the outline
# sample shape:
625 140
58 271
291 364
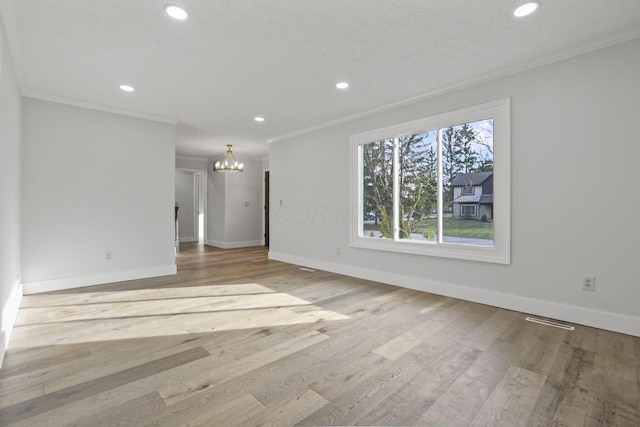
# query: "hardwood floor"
236 339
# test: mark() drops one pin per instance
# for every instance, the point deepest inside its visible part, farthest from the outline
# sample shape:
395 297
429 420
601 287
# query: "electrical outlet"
589 283
108 256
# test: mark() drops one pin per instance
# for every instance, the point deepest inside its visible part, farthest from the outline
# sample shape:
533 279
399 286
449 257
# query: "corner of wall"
9 316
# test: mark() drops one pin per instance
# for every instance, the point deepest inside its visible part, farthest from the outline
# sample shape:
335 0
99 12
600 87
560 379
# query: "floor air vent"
550 323
307 269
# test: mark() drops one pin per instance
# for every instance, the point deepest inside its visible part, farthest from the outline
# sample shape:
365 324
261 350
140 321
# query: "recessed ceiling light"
259 119
526 9
342 85
127 88
176 12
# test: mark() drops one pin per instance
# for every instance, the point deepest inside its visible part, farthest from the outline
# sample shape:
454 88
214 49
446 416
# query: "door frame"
266 208
200 205
204 192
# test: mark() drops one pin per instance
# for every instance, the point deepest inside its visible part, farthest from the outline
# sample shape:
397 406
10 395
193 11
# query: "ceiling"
233 60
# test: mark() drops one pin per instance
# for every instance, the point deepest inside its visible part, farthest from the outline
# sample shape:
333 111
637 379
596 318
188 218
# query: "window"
468 210
432 186
469 190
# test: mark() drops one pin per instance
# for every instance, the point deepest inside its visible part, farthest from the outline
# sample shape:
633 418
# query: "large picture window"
437 186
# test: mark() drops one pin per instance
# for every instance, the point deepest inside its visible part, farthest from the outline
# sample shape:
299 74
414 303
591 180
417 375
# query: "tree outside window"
431 183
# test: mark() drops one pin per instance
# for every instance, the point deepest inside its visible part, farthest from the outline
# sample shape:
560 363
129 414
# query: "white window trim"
465 205
500 252
472 191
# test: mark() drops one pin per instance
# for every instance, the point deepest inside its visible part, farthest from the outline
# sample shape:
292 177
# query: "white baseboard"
98 279
568 313
187 239
233 245
9 315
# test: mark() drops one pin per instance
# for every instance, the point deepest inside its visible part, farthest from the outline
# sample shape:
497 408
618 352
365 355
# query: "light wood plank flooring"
236 339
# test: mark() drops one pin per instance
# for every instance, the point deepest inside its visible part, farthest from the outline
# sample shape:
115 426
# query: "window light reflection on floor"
73 318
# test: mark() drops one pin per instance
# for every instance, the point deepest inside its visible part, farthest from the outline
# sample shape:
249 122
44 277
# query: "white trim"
468 193
500 252
203 178
98 107
98 279
473 81
187 239
233 245
568 313
9 316
469 205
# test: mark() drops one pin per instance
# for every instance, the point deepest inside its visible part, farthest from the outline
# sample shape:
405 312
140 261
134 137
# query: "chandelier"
229 164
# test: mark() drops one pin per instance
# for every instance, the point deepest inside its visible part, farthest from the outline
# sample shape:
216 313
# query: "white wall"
191 163
232 223
574 166
216 215
10 126
94 182
185 198
244 223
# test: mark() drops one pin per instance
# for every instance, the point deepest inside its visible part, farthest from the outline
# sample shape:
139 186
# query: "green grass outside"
451 227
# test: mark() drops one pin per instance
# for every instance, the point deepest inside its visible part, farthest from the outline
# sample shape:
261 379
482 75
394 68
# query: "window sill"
494 254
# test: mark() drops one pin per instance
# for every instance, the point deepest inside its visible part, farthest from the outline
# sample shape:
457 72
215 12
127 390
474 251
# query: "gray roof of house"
475 178
475 198
471 198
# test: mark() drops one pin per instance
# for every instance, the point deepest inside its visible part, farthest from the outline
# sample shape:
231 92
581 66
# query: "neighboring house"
473 195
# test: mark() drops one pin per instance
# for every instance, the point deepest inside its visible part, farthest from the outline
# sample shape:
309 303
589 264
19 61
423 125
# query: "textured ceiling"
235 59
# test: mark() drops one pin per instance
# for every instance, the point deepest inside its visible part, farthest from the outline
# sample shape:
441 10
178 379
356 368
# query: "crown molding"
482 78
99 107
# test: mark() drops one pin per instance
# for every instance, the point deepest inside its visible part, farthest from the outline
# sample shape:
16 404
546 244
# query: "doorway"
266 208
200 196
191 205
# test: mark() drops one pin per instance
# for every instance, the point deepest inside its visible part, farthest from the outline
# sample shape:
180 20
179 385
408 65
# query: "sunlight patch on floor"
88 312
135 318
74 298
